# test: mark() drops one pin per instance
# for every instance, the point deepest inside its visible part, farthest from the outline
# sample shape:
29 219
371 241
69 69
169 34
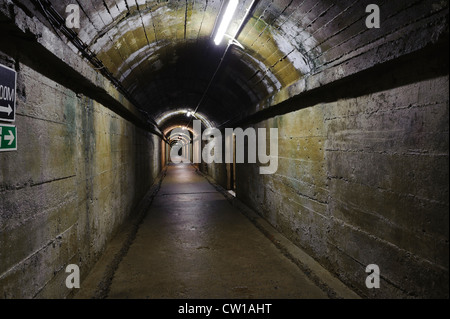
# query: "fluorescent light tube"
226 20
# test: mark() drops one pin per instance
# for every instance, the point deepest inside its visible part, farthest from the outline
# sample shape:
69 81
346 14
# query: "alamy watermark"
73 280
234 144
373 280
373 20
73 16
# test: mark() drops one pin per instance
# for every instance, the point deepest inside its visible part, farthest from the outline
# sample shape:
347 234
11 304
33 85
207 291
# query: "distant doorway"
231 168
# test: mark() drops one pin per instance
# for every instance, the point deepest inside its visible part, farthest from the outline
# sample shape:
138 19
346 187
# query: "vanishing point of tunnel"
238 149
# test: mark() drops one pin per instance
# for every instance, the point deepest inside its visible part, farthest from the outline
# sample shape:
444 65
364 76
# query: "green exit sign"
8 138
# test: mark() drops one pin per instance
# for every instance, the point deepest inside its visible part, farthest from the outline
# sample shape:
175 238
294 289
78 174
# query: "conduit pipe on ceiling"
230 42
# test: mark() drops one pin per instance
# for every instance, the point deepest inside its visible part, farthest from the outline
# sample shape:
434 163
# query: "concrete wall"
79 171
364 180
217 172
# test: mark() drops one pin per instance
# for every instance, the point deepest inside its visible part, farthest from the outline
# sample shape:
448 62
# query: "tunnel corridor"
193 244
299 151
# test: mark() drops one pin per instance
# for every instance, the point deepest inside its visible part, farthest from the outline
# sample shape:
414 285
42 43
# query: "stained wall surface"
364 181
79 171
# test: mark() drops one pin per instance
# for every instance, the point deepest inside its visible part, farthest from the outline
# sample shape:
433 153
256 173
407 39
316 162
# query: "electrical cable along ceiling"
163 52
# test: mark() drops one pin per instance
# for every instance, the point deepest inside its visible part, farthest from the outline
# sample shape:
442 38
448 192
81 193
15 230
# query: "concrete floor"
193 243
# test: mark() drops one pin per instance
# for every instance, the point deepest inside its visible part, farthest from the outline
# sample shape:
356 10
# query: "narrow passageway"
194 244
327 120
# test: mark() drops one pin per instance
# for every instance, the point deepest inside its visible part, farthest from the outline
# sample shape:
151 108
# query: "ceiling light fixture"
226 20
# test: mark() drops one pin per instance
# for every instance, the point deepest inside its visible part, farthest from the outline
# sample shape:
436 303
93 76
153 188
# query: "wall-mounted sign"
7 94
8 138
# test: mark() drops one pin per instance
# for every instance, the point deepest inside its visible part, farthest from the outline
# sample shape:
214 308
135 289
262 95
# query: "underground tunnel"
136 136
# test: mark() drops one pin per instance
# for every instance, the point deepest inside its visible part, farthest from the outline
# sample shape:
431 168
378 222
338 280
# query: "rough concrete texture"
365 181
79 171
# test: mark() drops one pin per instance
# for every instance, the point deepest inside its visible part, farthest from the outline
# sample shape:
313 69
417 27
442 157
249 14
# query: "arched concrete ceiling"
163 53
